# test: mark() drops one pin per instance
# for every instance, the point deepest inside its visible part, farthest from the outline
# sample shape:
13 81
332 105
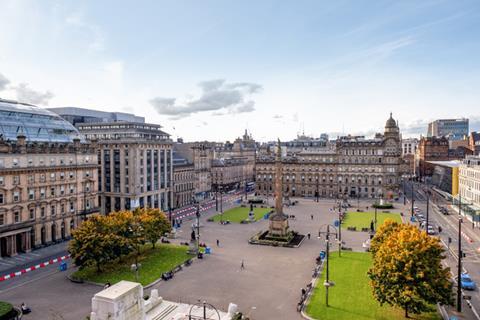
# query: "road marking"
30 281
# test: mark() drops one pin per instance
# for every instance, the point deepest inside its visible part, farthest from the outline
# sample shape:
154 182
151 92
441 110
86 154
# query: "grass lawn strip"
363 219
351 297
241 213
154 262
5 308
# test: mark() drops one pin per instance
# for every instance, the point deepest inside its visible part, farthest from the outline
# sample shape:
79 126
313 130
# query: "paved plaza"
269 287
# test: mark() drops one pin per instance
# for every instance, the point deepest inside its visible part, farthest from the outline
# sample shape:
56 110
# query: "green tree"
407 270
155 224
387 227
91 243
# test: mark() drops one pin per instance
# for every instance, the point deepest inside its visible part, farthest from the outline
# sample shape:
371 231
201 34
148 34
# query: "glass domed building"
35 123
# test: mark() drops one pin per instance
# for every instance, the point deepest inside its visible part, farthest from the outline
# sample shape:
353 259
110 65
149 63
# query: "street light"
327 234
459 264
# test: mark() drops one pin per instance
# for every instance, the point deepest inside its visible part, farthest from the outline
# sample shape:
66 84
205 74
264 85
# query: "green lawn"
5 308
154 262
363 219
240 213
351 297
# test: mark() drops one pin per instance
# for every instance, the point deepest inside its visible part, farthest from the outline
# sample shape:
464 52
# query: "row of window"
43 211
42 177
41 193
40 161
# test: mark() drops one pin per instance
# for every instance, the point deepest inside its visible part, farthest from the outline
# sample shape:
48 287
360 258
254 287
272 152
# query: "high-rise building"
452 129
135 165
48 178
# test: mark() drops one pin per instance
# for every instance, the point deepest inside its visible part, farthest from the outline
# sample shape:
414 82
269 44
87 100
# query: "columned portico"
14 242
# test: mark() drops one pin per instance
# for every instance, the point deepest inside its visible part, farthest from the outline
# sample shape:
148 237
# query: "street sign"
336 223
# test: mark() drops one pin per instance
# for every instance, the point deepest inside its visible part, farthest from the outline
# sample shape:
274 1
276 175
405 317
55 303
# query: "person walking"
308 236
311 216
242 266
218 243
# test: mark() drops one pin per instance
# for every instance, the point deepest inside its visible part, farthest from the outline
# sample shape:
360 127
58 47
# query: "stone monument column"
278 180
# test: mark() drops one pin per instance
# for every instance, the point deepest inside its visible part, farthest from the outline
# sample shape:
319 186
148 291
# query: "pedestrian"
218 243
242 266
308 236
311 216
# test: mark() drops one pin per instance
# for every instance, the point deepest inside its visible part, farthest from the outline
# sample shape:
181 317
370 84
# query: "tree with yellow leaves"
407 270
155 224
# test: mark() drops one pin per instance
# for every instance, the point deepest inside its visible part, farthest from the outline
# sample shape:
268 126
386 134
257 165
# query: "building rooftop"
451 163
37 124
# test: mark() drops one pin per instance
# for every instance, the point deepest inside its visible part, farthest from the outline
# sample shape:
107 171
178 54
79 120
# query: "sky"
208 70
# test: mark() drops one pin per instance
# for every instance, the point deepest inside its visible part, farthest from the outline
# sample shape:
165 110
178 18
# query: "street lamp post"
327 233
339 232
412 198
459 264
375 220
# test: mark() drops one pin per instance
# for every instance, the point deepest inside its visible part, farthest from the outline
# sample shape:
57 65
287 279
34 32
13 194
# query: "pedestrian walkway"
24 260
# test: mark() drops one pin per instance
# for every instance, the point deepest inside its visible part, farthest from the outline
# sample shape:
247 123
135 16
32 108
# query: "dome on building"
35 123
390 122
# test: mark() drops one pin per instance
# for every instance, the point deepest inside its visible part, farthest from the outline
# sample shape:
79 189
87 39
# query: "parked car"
431 230
467 282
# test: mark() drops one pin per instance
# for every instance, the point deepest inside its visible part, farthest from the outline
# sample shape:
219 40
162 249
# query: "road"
449 225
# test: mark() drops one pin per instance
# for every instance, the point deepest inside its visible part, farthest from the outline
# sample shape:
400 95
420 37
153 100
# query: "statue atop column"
278 220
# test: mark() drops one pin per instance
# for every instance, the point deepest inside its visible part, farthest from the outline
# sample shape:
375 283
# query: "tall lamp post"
412 198
327 234
460 254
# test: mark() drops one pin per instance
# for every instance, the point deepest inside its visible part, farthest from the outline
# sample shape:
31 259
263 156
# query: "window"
52 176
16 179
62 208
71 174
2 181
62 175
42 212
62 190
2 219
15 162
72 189
72 208
31 194
16 217
52 191
30 162
42 177
16 196
42 193
31 179
1 198
52 210
32 214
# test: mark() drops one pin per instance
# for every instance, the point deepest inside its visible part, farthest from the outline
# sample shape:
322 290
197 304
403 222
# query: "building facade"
474 142
469 188
135 165
453 129
48 178
430 149
184 184
350 166
231 174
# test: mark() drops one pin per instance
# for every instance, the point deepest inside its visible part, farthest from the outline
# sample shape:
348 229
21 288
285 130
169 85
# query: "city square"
239 160
269 286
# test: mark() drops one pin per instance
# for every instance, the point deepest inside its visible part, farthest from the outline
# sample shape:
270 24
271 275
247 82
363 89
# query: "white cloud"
25 94
94 32
3 82
217 95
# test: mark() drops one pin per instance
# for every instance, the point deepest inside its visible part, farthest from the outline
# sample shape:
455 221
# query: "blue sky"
209 69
